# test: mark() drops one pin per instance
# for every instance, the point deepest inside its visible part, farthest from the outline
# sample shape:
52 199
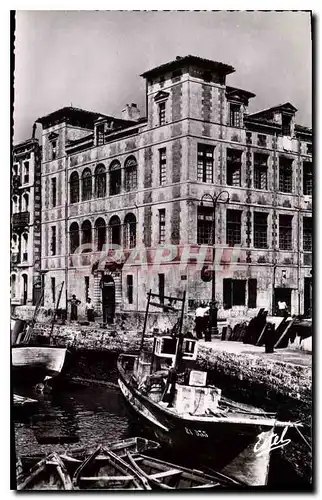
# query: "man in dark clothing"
73 307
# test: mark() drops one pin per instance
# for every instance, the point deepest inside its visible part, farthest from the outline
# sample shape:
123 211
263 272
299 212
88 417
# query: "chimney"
131 112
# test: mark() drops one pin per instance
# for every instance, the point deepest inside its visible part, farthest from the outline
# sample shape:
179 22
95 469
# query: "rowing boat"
166 476
48 474
105 470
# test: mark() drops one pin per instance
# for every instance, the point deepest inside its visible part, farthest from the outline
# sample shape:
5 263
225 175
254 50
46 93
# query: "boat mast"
145 320
180 336
56 308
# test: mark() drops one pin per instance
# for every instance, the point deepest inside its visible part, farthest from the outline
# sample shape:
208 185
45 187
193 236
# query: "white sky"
93 59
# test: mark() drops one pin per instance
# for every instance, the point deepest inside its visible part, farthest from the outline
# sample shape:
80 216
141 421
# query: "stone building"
25 223
138 185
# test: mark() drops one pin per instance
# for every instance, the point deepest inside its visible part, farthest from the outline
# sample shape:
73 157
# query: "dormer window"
100 135
234 117
286 125
162 113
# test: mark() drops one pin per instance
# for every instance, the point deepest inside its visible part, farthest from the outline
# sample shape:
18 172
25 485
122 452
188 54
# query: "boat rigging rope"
305 441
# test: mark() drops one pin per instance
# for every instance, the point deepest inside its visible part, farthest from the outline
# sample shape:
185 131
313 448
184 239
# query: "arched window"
100 181
115 178
74 188
100 233
86 234
13 285
129 240
86 184
73 237
15 204
25 247
14 243
25 202
130 176
115 230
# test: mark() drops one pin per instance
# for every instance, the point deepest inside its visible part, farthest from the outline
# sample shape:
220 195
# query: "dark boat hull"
232 446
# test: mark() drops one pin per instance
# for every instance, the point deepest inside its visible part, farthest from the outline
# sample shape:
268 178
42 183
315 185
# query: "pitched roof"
179 62
287 106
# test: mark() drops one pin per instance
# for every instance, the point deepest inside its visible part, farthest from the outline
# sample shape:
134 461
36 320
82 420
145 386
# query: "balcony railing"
20 219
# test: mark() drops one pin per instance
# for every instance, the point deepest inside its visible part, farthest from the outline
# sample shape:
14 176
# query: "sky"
93 59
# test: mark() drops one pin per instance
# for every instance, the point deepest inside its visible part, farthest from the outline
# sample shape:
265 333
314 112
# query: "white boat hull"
38 361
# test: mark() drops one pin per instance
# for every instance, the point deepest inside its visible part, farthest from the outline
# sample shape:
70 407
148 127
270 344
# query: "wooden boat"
48 474
32 364
22 401
167 476
192 414
105 470
74 457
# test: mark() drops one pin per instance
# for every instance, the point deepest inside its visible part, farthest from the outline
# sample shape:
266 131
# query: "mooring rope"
305 441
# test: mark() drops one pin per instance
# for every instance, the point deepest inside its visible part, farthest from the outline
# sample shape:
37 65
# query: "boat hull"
231 445
34 363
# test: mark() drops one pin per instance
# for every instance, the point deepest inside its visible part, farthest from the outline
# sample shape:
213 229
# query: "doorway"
108 298
308 297
282 295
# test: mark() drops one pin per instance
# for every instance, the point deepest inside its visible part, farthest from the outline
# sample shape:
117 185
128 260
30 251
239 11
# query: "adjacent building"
25 223
140 186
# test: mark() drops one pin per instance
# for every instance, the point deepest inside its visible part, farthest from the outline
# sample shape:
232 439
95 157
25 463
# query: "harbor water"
81 413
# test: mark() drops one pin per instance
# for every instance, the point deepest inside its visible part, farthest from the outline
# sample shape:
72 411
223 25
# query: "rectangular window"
252 293
234 292
260 171
53 150
234 117
129 288
205 163
205 225
248 137
163 165
162 226
260 230
100 135
233 227
233 167
285 175
26 172
261 140
53 240
53 191
307 234
285 232
162 113
53 289
309 148
307 178
86 278
161 288
286 125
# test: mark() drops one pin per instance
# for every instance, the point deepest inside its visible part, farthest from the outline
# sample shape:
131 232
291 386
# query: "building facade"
25 223
124 207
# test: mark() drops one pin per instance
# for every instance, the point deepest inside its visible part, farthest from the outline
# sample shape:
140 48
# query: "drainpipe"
66 234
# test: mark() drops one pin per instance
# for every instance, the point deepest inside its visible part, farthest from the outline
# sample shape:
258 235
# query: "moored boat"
187 412
105 470
48 474
33 363
166 476
73 458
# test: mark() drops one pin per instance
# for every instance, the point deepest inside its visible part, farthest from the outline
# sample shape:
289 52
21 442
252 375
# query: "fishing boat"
105 470
185 411
166 476
73 458
48 474
31 362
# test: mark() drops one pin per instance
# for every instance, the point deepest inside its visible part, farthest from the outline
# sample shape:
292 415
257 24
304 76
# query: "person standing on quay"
89 308
74 302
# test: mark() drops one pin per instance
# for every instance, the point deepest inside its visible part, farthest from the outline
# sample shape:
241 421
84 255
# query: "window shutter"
227 288
252 293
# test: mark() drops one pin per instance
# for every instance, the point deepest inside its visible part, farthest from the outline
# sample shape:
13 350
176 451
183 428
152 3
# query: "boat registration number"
196 432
